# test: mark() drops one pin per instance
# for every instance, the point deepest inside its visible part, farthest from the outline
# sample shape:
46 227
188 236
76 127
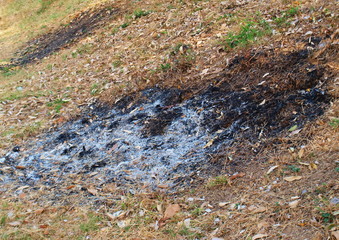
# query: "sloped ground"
79 27
272 147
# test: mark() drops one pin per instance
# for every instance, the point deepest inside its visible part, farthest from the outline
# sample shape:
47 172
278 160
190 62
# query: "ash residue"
156 138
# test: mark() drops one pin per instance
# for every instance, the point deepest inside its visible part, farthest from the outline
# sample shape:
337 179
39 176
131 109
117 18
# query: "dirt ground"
265 140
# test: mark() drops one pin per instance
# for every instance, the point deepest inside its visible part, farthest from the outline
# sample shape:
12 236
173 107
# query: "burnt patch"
84 152
156 126
65 136
79 27
155 136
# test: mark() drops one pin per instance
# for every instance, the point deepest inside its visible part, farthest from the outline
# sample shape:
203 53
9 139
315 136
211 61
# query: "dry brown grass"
123 60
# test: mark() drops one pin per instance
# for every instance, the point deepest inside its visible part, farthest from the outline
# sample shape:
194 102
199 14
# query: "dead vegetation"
288 192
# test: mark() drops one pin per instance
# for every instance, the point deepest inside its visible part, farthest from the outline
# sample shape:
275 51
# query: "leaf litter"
272 219
139 140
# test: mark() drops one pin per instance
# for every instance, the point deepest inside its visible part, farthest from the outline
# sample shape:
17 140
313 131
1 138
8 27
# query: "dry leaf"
259 209
259 236
295 132
210 142
20 167
301 153
292 178
239 175
318 236
39 211
110 216
123 223
335 234
263 224
22 188
159 208
271 169
313 166
116 215
171 210
294 204
14 224
223 204
92 191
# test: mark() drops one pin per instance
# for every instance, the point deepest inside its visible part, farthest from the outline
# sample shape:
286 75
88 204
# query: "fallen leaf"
259 236
22 188
116 215
301 152
39 211
318 236
171 210
295 132
313 166
203 72
22 195
92 191
293 128
110 216
210 142
187 222
292 178
70 187
14 224
263 224
43 226
259 209
123 223
335 213
272 169
239 175
223 204
159 208
335 234
294 204
20 167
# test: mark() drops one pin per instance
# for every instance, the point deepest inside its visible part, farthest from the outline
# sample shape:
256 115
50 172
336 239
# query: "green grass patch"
44 5
283 20
57 104
3 220
117 63
124 25
91 224
8 72
292 168
95 89
32 128
334 123
218 181
16 95
197 212
165 67
141 13
85 48
250 32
